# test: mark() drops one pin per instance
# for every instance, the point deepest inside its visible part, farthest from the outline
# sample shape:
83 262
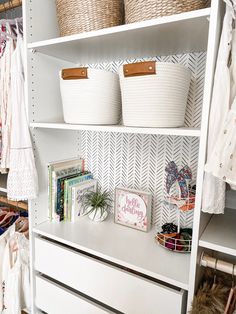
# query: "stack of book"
67 182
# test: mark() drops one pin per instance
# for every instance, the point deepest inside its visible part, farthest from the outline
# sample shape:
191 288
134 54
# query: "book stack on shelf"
67 182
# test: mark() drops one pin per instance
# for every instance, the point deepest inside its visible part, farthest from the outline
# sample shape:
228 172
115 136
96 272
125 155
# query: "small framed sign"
133 208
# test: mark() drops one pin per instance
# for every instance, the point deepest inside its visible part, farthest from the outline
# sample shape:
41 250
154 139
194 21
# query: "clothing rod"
214 263
12 21
20 205
10 5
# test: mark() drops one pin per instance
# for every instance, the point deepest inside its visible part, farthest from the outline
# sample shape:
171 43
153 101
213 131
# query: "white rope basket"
90 98
157 98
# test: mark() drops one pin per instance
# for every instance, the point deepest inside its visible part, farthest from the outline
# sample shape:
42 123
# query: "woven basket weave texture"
141 10
78 16
157 100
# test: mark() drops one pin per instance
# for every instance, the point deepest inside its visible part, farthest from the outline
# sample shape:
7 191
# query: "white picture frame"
133 208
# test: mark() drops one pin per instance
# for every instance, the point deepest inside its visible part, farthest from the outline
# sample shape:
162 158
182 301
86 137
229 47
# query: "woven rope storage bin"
78 16
154 94
141 10
90 96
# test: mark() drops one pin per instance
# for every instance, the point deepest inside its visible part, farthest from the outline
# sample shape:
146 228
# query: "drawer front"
116 288
54 299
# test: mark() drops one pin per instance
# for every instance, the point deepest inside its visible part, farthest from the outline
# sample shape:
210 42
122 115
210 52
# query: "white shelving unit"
194 132
117 155
112 43
220 233
90 238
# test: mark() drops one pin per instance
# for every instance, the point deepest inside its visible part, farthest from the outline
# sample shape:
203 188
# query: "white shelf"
168 35
231 199
122 245
220 233
3 183
119 129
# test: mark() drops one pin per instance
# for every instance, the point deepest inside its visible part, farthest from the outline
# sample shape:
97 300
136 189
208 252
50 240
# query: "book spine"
49 192
54 196
72 211
65 200
66 195
58 190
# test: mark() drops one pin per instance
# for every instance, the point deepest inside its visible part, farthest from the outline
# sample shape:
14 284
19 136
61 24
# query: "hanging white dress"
222 163
3 241
16 276
22 183
213 199
5 102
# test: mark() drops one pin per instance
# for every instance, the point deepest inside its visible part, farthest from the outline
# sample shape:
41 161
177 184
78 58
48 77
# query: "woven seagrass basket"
78 16
141 10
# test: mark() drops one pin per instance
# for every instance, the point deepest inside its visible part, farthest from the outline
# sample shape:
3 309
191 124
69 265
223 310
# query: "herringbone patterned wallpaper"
138 161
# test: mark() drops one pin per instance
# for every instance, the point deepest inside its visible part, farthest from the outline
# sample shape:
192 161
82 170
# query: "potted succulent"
96 205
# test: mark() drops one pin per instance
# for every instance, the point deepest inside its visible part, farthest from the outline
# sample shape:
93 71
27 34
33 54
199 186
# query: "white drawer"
114 287
54 299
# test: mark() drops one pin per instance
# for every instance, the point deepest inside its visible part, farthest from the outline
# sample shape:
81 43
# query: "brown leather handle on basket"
74 74
140 68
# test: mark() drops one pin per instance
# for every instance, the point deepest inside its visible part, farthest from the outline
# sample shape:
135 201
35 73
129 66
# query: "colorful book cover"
58 170
60 195
77 192
67 193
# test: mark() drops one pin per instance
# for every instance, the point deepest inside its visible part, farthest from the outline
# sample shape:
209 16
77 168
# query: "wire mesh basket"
179 197
175 242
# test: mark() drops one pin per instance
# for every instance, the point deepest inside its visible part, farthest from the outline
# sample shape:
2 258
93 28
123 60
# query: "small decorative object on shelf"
133 208
96 205
174 240
181 197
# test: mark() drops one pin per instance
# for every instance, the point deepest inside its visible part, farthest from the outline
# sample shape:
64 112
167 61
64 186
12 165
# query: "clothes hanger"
231 303
214 280
22 224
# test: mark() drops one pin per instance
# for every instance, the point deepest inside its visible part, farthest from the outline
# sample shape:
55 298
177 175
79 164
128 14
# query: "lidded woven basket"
78 16
141 10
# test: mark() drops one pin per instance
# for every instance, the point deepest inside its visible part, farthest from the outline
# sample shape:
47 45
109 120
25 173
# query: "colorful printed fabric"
181 177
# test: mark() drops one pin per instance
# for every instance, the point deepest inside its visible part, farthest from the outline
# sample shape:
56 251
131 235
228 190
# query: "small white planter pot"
97 215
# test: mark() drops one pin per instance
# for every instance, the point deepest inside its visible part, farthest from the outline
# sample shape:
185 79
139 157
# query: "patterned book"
57 170
77 191
61 185
69 183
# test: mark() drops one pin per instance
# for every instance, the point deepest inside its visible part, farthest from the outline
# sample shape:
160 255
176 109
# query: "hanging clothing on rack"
222 162
16 277
14 261
3 241
5 100
213 198
22 183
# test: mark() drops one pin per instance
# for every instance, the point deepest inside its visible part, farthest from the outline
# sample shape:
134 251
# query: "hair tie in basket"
181 177
169 228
